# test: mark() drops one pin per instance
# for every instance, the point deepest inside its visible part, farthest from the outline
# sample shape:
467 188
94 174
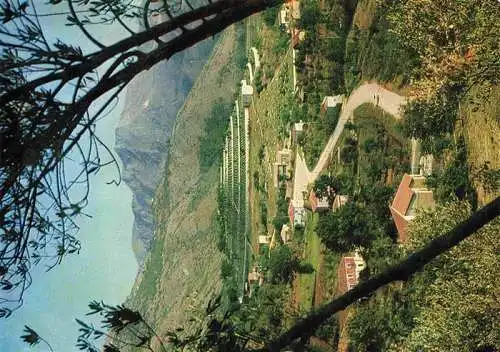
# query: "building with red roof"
319 203
348 272
412 194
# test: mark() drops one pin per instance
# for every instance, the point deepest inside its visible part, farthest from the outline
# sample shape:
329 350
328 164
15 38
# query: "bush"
271 15
258 81
349 227
282 264
349 152
331 118
261 154
310 16
281 217
370 145
226 269
263 213
328 331
454 181
212 140
281 44
425 119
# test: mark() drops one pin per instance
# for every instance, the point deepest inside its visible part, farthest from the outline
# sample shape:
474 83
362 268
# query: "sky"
106 267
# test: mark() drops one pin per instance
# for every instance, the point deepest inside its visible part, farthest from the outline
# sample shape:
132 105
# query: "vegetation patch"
183 267
212 140
312 254
373 52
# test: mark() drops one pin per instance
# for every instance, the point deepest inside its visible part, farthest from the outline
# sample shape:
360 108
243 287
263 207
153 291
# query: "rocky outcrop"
142 136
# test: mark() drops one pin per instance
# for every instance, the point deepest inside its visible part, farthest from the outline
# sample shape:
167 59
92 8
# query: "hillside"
393 113
362 148
182 269
145 128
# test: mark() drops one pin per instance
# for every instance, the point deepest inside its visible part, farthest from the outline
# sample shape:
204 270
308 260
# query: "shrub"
212 140
226 269
270 15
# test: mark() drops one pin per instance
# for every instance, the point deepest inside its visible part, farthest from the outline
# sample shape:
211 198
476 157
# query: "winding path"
366 93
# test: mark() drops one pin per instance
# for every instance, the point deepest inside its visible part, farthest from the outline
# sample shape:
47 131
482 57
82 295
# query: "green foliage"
329 331
314 141
459 295
263 212
377 197
380 255
326 186
258 81
451 305
271 15
261 153
331 118
433 118
240 54
346 229
377 53
457 40
153 269
382 146
226 269
212 139
263 315
304 268
381 321
370 145
321 74
281 217
488 178
453 182
349 152
282 264
335 49
310 15
346 183
298 234
281 45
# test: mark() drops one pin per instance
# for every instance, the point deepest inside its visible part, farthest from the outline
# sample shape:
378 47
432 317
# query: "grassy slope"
367 118
482 128
312 255
265 133
183 268
370 121
374 53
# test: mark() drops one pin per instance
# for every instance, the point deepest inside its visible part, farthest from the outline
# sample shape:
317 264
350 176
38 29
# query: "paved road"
300 177
367 93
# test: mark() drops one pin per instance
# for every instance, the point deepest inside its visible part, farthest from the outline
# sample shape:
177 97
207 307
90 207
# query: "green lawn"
367 113
393 151
312 254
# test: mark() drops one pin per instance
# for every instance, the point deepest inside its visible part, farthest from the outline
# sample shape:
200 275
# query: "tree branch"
400 272
82 27
96 59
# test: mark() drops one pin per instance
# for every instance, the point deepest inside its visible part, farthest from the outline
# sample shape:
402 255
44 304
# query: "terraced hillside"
233 201
182 269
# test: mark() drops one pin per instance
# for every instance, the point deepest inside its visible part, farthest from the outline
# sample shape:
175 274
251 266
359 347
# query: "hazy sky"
105 268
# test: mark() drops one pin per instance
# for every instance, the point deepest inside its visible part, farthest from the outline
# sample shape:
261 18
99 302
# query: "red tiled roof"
403 195
400 206
347 274
401 225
